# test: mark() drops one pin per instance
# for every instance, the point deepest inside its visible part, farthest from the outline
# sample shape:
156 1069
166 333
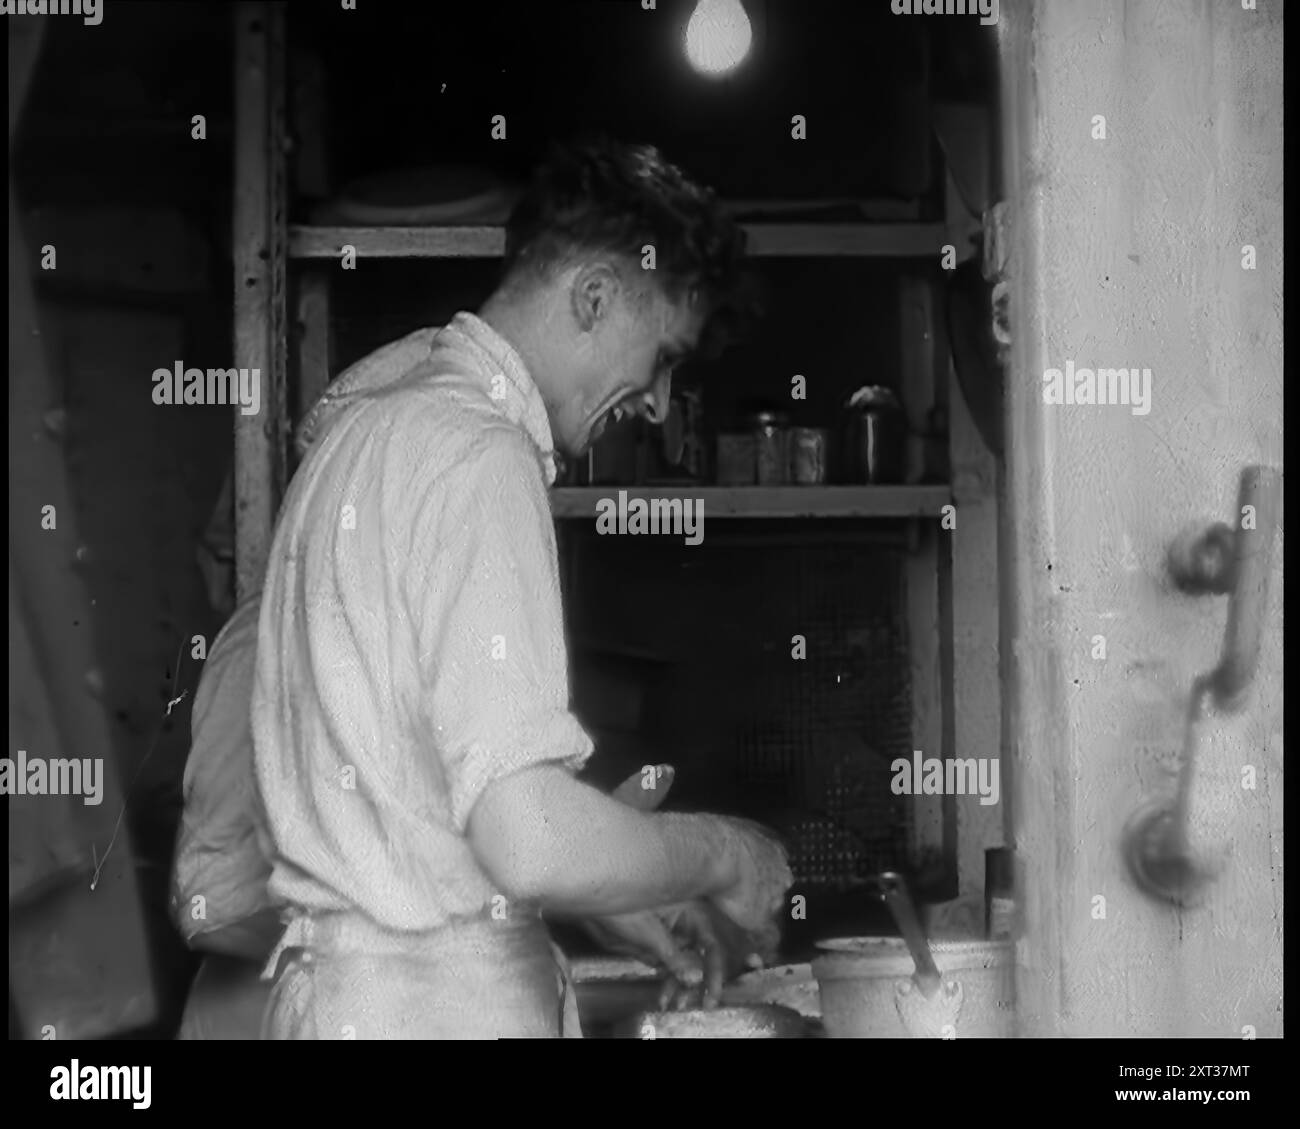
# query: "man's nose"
654 402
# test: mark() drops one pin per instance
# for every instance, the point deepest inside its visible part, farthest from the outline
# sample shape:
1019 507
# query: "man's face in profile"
624 362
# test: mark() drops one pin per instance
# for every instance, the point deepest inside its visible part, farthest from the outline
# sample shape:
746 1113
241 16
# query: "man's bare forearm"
544 836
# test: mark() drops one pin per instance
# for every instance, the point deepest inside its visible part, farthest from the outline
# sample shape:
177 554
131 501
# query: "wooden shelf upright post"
260 230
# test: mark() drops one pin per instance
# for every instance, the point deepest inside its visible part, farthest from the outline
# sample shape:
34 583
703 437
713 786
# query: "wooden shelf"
769 501
771 240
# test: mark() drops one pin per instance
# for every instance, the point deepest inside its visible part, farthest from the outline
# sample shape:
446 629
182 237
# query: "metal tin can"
735 459
771 448
808 447
875 437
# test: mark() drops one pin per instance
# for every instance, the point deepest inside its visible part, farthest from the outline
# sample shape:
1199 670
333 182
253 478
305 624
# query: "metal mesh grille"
827 726
802 744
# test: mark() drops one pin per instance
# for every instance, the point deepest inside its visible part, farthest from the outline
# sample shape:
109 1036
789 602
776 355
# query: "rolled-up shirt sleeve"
219 854
483 589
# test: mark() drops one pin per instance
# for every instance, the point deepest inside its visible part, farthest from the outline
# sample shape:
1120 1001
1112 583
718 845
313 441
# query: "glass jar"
771 447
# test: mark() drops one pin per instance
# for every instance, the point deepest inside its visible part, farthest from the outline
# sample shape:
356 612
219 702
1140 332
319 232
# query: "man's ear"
594 292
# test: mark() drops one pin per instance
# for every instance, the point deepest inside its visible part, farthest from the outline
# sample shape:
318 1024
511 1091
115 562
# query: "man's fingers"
715 952
667 992
657 942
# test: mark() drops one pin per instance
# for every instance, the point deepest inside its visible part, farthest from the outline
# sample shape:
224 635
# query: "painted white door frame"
1142 143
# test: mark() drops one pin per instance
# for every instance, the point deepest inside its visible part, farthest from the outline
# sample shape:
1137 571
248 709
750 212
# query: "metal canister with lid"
875 437
771 447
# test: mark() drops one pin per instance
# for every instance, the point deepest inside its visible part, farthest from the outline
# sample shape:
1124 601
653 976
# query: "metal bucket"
868 991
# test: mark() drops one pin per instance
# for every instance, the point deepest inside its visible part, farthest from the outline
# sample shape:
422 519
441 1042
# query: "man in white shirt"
414 748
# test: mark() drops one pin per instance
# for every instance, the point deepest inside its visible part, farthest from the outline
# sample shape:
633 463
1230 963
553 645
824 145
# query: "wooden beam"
976 691
810 240
312 181
260 256
766 501
932 828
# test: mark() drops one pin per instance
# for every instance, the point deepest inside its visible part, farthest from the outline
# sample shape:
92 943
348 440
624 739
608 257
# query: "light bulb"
718 36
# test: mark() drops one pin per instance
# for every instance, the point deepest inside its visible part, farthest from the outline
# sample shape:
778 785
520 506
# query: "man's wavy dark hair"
599 195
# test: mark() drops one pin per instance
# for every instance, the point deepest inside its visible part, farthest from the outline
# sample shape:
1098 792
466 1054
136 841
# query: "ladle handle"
1261 488
894 891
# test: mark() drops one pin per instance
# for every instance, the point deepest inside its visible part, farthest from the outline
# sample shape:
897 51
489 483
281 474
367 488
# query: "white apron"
340 976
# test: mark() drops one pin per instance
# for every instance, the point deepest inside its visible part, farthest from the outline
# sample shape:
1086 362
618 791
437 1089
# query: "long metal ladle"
894 892
1155 841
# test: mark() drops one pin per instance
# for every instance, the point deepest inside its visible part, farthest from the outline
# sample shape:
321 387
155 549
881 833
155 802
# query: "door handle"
1155 841
1261 490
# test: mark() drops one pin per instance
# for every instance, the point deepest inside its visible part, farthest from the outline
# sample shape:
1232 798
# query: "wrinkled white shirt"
221 862
411 643
222 856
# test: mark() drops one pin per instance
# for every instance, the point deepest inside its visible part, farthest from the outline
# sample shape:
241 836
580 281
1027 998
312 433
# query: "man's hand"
647 936
756 898
725 951
695 943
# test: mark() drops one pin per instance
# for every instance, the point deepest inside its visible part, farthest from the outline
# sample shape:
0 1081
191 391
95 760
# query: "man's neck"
517 320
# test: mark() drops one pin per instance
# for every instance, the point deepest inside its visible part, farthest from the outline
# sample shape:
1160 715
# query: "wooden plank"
901 240
976 691
312 181
260 206
931 834
948 736
766 501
